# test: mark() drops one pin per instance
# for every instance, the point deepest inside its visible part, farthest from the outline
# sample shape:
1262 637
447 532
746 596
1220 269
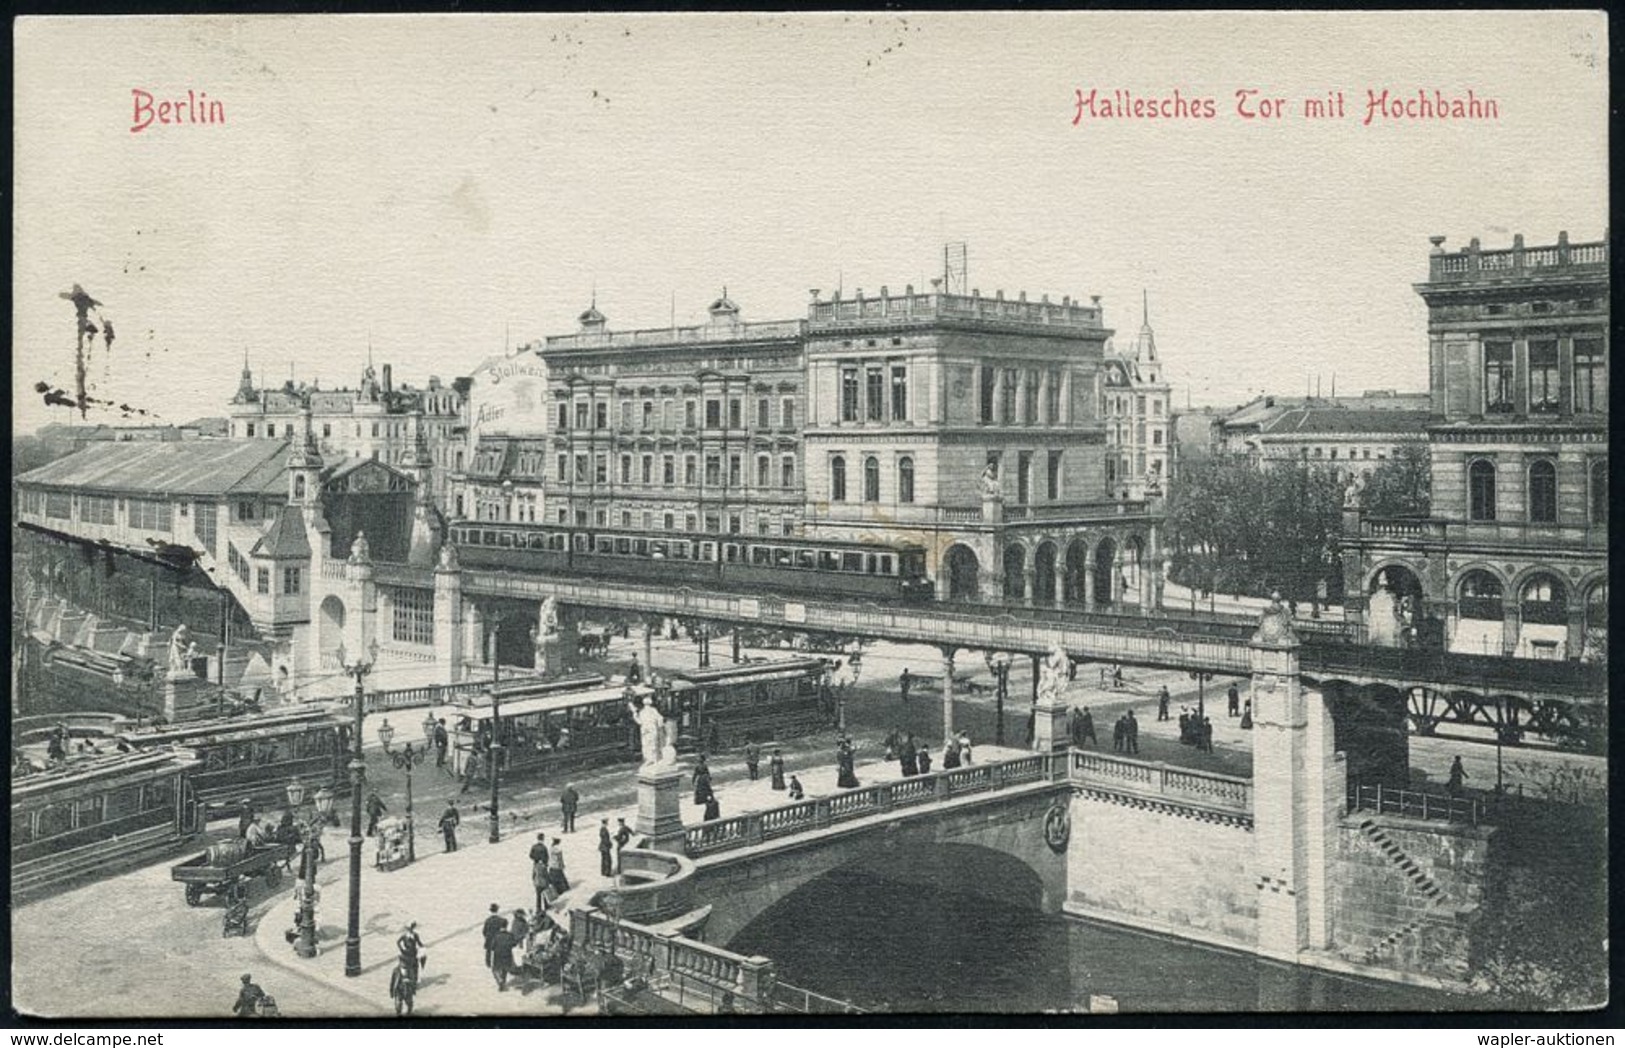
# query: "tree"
1402 485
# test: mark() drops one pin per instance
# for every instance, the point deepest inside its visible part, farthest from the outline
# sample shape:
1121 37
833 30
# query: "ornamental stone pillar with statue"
660 777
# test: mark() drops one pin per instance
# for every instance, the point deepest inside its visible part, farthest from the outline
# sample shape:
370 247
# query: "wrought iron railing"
1413 804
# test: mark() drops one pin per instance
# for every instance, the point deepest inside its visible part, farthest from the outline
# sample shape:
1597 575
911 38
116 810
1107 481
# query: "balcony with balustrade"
1562 260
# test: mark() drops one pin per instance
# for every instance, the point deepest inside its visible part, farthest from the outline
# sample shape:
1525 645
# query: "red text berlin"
196 108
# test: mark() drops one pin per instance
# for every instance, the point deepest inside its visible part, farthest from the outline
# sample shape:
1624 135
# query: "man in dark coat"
702 782
923 757
623 837
441 742
903 683
375 811
1131 732
501 951
569 801
753 761
1118 731
908 758
1162 703
448 825
1086 728
606 849
245 818
248 999
493 923
1234 709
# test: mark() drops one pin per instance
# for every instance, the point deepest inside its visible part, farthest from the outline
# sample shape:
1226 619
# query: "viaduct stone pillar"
363 596
1298 793
448 618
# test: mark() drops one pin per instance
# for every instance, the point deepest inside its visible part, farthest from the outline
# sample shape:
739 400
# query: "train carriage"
99 812
254 757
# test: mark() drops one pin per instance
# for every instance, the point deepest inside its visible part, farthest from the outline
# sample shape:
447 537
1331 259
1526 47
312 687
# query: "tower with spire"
245 384
1137 407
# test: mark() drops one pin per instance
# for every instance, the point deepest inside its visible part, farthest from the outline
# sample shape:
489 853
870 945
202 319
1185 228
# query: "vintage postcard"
804 514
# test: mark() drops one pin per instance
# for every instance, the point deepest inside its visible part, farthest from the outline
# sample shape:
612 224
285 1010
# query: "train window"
829 560
869 563
488 538
623 545
708 551
123 802
605 544
806 558
640 547
660 549
54 819
851 562
885 564
87 811
730 552
538 542
160 793
504 539
761 555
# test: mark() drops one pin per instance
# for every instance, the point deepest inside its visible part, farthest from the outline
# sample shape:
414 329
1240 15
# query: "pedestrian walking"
1117 677
1162 703
1131 735
248 999
950 755
1207 735
923 756
1088 728
1233 709
441 742
904 682
753 761
501 950
494 923
520 928
555 868
796 792
702 781
448 825
775 768
569 801
543 885
1247 715
1457 774
375 811
606 849
1118 731
964 746
623 837
634 673
909 757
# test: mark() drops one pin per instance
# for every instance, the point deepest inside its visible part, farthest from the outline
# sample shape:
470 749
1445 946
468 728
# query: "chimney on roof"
388 385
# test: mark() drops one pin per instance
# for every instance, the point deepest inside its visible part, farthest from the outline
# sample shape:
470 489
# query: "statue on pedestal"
360 551
178 650
1052 676
656 740
1354 494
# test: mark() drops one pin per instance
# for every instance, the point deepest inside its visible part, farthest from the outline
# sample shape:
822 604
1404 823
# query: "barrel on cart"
216 870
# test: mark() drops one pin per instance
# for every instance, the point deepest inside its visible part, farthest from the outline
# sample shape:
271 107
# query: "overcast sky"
443 184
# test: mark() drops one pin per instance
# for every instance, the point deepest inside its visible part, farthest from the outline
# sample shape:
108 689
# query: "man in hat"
245 818
375 811
410 948
569 801
606 849
442 742
448 825
248 998
753 760
494 923
623 837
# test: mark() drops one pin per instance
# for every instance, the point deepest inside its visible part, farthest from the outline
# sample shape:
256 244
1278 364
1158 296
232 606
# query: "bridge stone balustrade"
660 956
1149 779
656 886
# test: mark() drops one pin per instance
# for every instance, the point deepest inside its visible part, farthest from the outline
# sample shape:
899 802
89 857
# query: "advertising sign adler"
509 396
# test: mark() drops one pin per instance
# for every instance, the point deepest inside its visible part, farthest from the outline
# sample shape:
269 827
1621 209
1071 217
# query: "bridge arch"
1077 567
1104 566
1044 572
1015 569
963 571
330 629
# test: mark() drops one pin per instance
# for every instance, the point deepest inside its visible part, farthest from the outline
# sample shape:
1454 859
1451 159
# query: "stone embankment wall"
1163 867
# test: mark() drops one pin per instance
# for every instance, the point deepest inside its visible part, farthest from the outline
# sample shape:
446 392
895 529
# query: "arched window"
1599 491
905 479
871 479
1543 492
1479 596
1481 490
837 479
1544 600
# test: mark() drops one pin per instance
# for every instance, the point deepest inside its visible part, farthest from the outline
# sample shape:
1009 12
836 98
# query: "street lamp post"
358 776
1201 677
405 760
305 945
495 745
999 663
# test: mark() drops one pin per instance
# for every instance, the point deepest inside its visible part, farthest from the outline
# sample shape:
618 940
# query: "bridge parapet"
1158 780
754 828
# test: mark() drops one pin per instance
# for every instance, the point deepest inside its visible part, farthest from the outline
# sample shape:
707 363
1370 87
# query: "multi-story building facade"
970 426
691 429
1514 556
508 406
1135 406
1346 440
376 420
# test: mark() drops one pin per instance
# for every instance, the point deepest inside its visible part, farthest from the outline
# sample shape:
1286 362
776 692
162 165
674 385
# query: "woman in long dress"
846 778
776 769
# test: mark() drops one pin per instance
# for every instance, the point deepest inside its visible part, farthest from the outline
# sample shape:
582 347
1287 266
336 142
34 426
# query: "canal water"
903 948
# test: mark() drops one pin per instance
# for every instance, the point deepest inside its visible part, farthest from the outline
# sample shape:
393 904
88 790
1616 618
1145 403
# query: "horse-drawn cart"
216 870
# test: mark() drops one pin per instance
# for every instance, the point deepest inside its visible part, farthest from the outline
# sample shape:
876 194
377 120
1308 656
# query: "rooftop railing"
1473 262
933 306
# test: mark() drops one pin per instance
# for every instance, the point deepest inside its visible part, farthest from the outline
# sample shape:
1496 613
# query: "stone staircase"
1408 868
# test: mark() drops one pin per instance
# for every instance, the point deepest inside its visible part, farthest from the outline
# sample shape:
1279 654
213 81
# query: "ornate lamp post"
491 752
405 760
305 945
1201 677
358 777
999 663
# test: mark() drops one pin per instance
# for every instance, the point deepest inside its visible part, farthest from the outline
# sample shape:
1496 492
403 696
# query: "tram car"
253 758
543 726
728 706
94 813
754 563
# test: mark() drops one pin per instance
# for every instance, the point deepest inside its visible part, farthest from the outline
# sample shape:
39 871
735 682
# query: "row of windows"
1119 405
53 820
1121 432
650 415
98 509
1588 382
877 406
1004 389
667 520
315 743
151 515
641 470
1542 491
